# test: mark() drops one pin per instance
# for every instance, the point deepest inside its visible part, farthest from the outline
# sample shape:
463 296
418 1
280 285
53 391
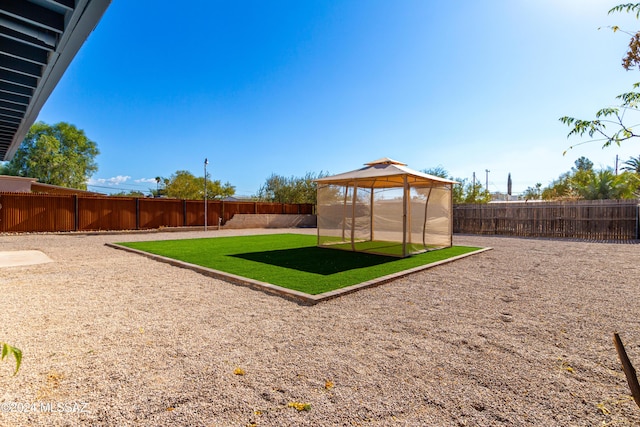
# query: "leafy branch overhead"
607 116
632 58
614 117
604 117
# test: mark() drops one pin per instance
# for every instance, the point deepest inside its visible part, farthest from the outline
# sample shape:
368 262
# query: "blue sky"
290 87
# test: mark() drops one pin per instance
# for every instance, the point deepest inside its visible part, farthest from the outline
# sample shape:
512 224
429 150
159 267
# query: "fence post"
76 219
638 222
184 212
137 213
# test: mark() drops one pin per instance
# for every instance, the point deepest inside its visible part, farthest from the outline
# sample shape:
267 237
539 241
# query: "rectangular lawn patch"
291 261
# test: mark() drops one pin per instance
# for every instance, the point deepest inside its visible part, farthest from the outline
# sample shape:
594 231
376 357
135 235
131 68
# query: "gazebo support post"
353 215
424 224
404 215
450 215
371 217
344 212
409 225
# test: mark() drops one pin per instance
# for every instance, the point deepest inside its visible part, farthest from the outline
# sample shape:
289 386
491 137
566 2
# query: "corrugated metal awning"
38 40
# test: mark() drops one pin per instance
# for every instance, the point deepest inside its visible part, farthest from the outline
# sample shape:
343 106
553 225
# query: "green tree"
583 182
438 171
131 193
560 189
604 184
457 191
280 189
609 126
564 187
581 175
161 186
583 164
59 154
632 165
466 192
533 193
184 185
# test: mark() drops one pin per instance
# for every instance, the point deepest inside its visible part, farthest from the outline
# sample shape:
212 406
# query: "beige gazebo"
385 208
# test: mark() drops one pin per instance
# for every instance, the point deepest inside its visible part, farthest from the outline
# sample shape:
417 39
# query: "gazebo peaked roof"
384 173
385 161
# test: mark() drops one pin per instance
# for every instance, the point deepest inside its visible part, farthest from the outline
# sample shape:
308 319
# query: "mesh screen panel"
373 219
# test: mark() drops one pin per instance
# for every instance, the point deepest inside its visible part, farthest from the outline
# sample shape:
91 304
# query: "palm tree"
632 165
604 184
157 186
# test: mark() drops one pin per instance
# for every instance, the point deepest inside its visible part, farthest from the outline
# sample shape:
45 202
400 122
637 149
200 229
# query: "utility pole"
206 162
473 186
486 186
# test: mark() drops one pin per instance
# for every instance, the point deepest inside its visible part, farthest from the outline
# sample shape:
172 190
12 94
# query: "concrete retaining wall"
270 221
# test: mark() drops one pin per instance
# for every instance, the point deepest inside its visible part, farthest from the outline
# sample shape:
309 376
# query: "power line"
118 188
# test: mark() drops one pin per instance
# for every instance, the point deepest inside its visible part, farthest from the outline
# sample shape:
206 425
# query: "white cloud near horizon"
145 180
116 180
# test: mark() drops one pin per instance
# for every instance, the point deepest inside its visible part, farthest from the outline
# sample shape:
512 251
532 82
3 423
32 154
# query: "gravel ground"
520 335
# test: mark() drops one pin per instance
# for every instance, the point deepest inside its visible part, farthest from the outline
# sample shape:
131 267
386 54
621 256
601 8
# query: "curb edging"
296 296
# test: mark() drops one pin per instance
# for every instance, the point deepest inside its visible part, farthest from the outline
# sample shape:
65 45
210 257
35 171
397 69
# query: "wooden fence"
593 219
24 212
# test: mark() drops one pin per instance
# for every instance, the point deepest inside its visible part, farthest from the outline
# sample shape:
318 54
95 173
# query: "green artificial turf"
290 260
379 247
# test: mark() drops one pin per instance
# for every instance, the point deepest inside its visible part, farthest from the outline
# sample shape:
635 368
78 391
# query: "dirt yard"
520 335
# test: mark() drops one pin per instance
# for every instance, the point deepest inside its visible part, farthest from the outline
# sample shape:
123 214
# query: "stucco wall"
15 184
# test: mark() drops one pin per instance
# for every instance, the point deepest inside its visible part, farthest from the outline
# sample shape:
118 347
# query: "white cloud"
145 180
116 180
